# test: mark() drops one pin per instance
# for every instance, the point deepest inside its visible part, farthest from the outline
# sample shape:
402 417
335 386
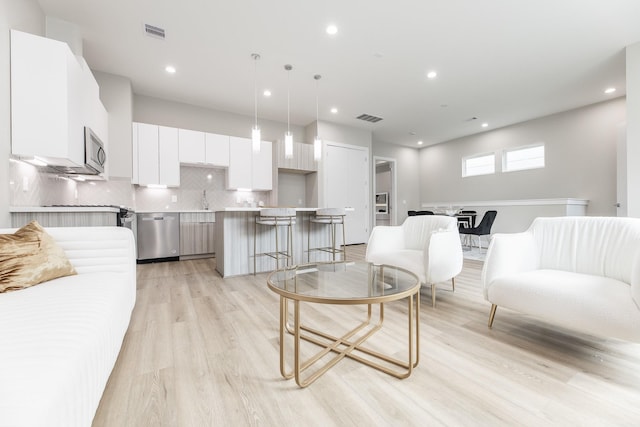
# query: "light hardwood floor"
203 351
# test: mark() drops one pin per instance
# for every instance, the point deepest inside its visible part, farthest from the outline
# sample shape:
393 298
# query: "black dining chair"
466 219
483 228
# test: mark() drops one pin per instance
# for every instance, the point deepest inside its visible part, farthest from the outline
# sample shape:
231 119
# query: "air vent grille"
153 31
369 118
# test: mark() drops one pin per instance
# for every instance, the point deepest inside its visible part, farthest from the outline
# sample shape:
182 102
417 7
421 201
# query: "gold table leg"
343 346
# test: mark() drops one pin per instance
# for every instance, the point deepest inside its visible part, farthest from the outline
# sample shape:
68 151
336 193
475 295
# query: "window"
518 159
482 164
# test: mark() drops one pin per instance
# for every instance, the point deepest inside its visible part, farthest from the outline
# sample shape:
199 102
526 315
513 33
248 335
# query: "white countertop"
175 211
63 209
258 209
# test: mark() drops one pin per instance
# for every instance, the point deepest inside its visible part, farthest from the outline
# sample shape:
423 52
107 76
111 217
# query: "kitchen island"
234 241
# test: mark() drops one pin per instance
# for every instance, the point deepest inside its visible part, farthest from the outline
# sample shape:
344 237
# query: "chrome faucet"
205 202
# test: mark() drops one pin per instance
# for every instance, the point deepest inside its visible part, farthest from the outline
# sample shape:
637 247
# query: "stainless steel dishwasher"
158 236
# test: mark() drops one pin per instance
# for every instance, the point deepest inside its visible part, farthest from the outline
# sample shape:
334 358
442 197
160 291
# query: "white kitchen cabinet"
95 115
262 170
249 170
155 155
203 149
216 150
169 166
240 163
191 145
146 145
46 100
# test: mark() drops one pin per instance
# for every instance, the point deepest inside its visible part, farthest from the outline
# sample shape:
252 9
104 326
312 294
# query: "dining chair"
483 228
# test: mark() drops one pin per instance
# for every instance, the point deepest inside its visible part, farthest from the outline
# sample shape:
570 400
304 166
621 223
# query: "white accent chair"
581 273
428 246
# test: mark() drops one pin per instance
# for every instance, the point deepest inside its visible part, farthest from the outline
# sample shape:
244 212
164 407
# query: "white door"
347 185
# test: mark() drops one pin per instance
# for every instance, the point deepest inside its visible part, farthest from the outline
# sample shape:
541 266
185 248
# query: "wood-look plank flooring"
203 351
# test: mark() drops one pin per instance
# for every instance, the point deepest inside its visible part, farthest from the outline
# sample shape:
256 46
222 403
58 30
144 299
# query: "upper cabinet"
302 160
191 146
158 152
95 115
249 170
155 155
216 149
53 97
203 149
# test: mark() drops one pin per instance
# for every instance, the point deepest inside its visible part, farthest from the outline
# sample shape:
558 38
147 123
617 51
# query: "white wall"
343 134
168 113
292 189
580 160
117 97
23 15
407 173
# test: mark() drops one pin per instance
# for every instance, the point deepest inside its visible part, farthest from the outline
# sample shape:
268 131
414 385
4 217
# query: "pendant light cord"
317 77
255 87
255 57
288 108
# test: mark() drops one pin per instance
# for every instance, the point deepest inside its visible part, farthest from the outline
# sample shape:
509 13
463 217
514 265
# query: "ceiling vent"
152 31
369 118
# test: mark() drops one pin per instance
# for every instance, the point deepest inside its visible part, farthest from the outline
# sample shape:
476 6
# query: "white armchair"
429 246
582 273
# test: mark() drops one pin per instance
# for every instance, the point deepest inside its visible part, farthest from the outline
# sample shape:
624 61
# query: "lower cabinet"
197 234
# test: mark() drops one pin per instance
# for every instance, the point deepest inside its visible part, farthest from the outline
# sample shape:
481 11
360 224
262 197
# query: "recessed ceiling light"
267 93
170 69
419 142
610 90
484 125
332 30
432 75
334 110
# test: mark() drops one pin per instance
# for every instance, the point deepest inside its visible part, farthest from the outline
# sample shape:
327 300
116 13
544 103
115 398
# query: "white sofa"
427 245
59 340
581 273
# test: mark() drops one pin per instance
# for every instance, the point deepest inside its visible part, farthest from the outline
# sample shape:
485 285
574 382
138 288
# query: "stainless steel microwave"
94 155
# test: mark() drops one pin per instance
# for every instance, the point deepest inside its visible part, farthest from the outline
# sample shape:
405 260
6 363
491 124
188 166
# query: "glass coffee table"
345 283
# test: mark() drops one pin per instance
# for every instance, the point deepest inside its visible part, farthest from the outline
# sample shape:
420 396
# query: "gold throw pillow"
30 256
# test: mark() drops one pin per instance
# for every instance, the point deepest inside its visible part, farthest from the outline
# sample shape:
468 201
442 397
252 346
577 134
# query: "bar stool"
275 218
330 217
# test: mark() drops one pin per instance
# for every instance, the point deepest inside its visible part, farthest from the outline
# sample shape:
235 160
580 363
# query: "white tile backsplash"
193 181
46 189
29 187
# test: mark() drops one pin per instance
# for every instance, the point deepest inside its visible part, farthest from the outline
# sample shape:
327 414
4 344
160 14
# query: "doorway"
384 190
346 177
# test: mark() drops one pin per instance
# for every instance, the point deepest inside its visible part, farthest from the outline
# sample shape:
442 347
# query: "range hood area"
58 122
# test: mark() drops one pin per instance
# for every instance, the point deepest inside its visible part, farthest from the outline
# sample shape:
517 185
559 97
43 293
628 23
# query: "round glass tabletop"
344 282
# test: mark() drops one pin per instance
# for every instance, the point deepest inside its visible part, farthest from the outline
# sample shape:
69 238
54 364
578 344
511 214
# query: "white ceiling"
502 61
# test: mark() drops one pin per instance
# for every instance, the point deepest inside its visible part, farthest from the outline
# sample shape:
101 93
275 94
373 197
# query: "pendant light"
288 138
255 131
317 142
